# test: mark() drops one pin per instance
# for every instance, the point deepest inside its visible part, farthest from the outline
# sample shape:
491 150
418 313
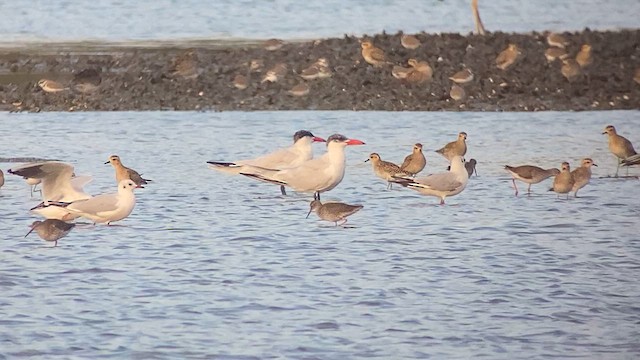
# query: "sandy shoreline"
137 76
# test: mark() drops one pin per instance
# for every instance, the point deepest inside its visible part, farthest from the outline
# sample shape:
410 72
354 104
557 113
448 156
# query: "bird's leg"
442 201
617 168
55 243
514 186
529 190
282 190
389 185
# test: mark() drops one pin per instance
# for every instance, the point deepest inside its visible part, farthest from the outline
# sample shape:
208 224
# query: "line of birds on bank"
294 167
418 72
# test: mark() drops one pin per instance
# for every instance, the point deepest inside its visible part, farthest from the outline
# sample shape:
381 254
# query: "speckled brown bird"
563 182
553 53
385 170
557 40
400 72
273 44
333 211
51 86
508 57
276 73
51 229
582 175
373 55
570 70
185 66
584 57
457 93
619 146
409 42
318 70
414 162
462 77
455 148
421 73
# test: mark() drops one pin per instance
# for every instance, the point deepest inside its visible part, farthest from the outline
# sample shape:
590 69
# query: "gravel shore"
143 77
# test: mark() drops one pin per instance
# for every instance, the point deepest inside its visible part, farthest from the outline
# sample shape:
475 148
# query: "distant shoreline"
136 75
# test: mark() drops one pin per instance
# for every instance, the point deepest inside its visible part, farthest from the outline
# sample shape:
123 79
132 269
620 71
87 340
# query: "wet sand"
138 76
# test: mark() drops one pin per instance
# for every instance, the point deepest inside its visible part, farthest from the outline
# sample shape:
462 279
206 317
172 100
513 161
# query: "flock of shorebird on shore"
295 168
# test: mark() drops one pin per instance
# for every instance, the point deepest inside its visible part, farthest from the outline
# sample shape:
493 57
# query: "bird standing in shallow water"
529 174
385 170
582 175
563 182
333 211
458 147
414 162
51 229
619 146
125 173
440 185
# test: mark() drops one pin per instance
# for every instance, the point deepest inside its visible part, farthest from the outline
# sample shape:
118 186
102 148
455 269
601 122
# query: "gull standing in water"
105 208
290 157
51 229
333 211
441 185
529 174
58 185
316 175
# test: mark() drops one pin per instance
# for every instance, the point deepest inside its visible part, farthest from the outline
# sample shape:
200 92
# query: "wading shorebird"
414 162
563 182
385 170
529 174
582 175
333 211
619 146
458 147
51 229
125 173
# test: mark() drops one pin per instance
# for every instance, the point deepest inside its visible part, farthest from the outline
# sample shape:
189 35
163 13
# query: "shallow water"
215 266
114 20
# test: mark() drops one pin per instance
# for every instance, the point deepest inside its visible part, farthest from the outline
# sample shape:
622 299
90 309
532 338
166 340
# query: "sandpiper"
318 70
458 147
462 77
409 42
471 167
582 175
507 57
584 58
276 73
400 72
241 82
185 66
563 182
51 86
385 170
256 65
457 93
333 211
619 146
557 40
125 173
422 72
51 229
301 89
570 69
553 53
414 162
372 54
529 174
273 44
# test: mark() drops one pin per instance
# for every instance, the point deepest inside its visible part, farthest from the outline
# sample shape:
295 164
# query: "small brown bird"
185 66
554 53
301 89
457 93
582 175
471 167
51 86
385 170
458 147
584 57
256 65
318 70
276 73
333 211
529 174
409 42
563 182
125 173
241 82
570 70
421 73
400 72
508 57
462 77
557 40
273 44
619 146
372 54
414 162
51 229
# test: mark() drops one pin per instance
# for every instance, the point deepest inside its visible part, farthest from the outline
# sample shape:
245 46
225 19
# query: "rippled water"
115 20
214 266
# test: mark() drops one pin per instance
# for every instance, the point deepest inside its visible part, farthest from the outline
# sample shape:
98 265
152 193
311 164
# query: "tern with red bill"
289 157
316 175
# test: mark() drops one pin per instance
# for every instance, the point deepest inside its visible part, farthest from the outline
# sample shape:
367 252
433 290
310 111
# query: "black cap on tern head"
337 137
300 134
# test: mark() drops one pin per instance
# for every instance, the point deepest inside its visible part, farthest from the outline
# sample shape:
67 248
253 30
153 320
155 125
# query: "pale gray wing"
55 177
440 182
95 205
79 182
281 158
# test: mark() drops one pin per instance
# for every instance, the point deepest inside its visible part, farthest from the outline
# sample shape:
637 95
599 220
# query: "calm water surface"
115 20
215 266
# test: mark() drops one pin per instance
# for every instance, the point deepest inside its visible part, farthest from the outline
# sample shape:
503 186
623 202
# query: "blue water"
114 20
217 266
